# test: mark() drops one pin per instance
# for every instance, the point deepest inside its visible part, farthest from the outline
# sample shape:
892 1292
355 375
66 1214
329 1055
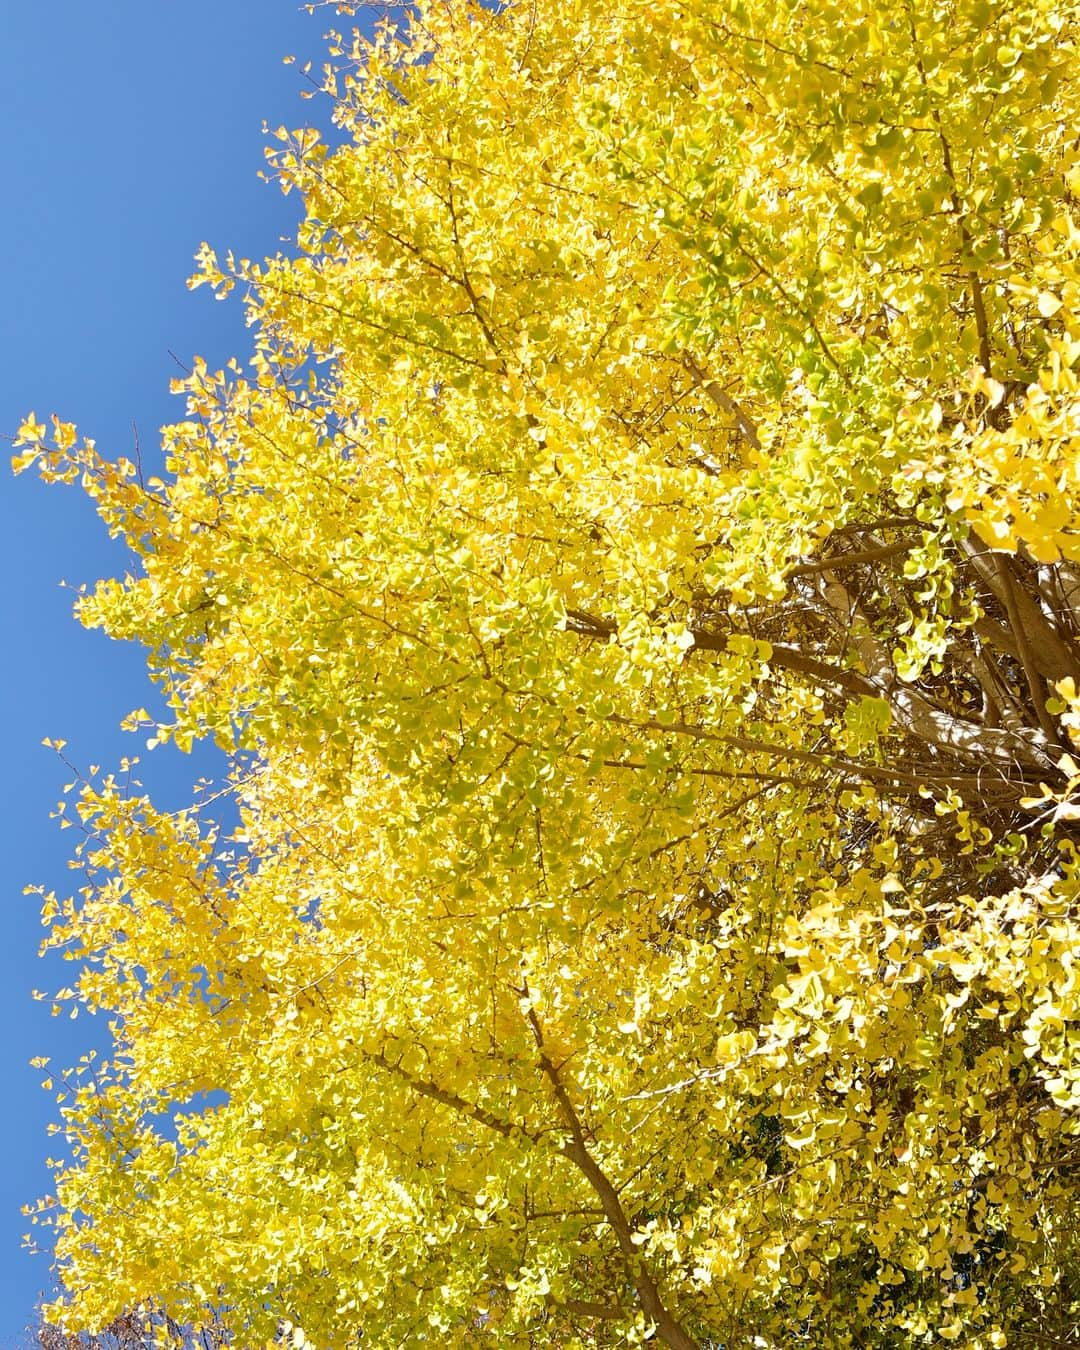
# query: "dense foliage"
636 578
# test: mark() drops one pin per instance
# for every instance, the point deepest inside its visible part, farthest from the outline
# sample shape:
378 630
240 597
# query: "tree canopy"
635 577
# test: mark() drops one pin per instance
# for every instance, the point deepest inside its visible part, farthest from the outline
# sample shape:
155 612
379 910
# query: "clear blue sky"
131 132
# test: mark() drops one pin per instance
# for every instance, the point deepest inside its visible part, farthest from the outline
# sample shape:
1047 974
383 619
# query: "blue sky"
131 131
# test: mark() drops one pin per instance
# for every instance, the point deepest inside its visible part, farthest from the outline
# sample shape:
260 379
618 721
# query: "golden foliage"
637 580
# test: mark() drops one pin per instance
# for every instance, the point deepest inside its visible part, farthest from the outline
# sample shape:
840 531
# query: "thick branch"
1049 651
996 635
459 1104
579 1307
786 657
1036 688
833 763
958 735
723 400
854 559
576 1150
1006 748
791 658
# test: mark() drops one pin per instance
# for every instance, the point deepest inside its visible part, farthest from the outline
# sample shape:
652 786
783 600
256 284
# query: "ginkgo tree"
635 577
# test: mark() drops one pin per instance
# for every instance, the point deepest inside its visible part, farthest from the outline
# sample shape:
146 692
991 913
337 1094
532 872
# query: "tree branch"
1048 650
1036 688
723 400
855 559
580 1307
787 658
461 1105
576 1150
